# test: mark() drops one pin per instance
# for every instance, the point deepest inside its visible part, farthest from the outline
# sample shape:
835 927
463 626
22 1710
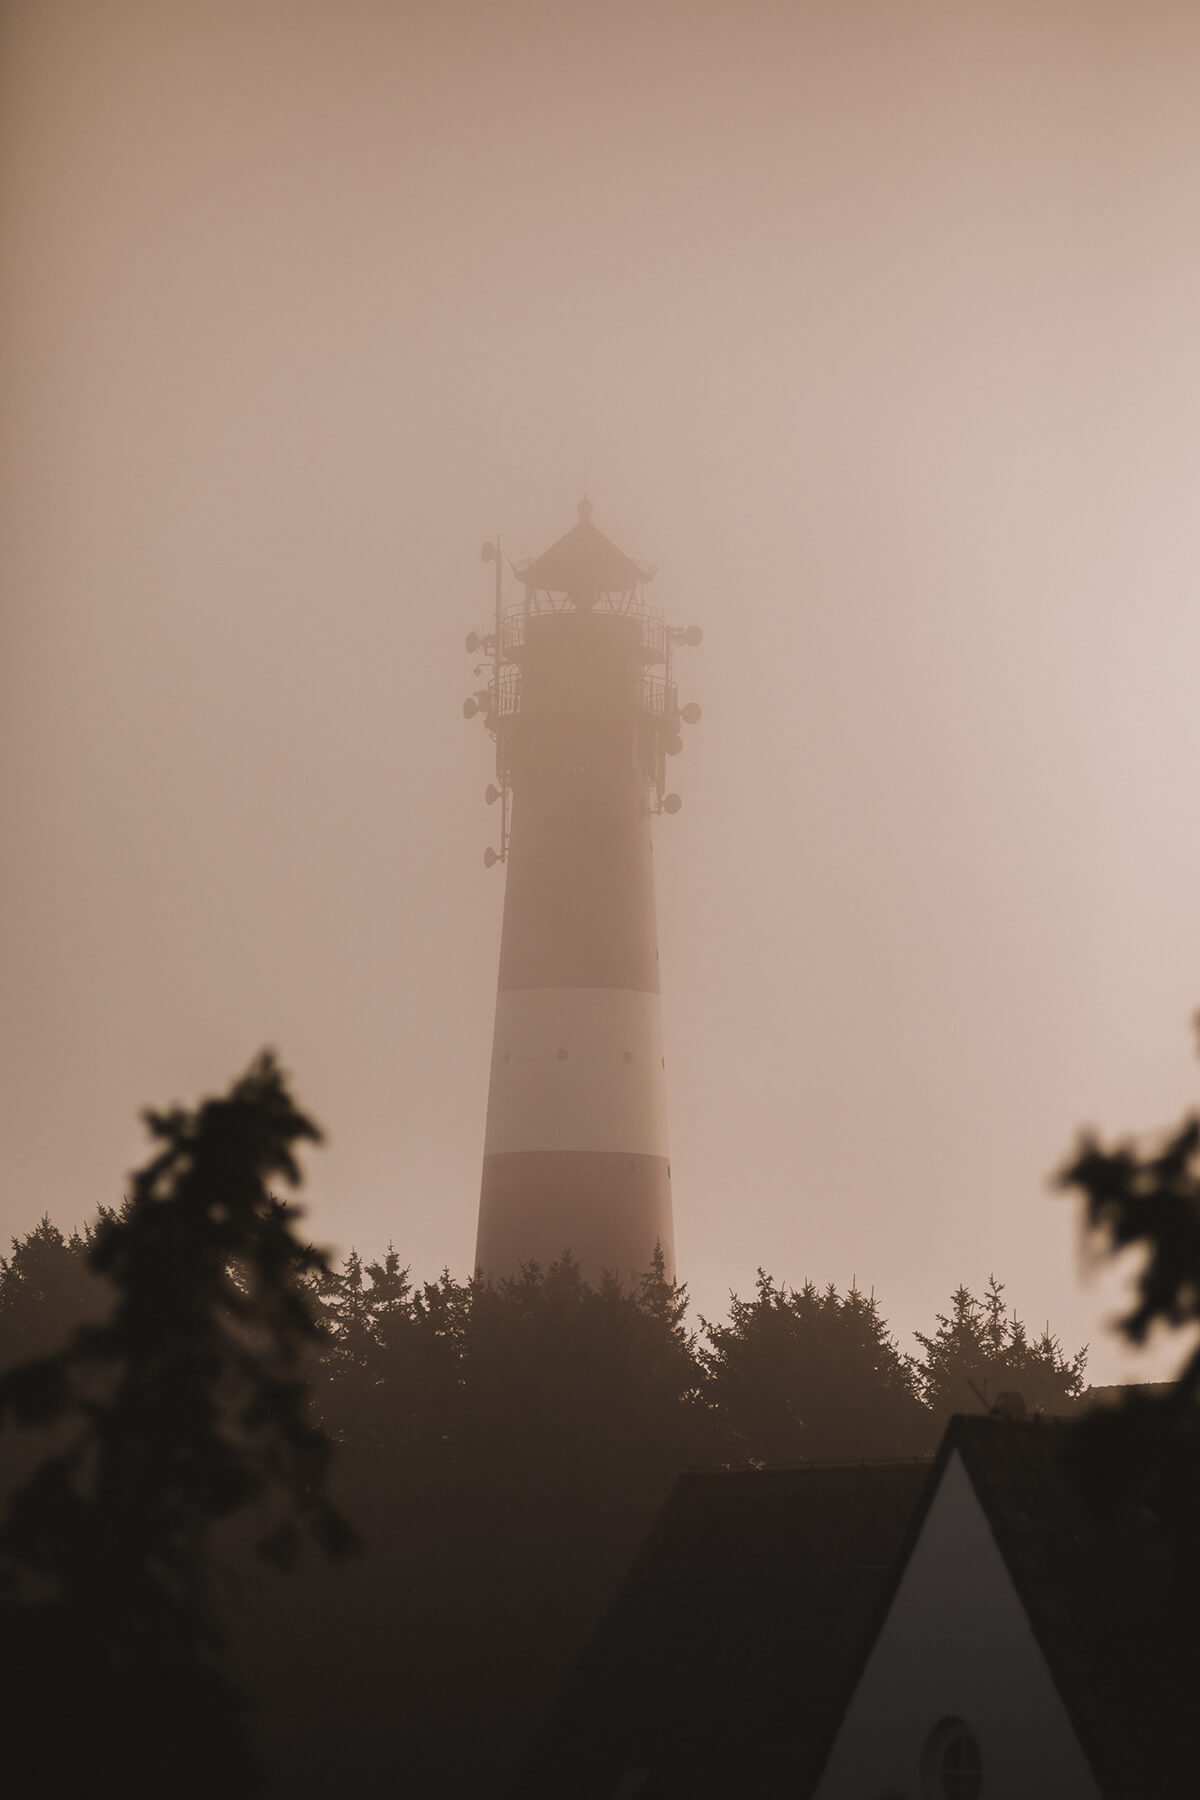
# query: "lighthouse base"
609 1209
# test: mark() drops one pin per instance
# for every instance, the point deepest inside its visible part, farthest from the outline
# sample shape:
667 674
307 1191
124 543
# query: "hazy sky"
874 325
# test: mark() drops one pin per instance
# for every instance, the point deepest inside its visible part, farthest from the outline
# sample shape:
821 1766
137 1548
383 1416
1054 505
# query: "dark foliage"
981 1351
1144 1455
47 1288
807 1374
1152 1200
503 1450
186 1408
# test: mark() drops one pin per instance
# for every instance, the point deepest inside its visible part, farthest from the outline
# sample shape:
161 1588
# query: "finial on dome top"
585 508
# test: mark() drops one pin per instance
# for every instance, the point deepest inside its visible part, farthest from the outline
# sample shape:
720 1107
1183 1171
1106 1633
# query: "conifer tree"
808 1374
980 1351
185 1408
47 1289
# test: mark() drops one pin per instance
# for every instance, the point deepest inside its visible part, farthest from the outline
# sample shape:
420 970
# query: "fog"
873 325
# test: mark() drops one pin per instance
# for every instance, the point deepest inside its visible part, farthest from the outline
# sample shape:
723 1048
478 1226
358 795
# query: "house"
1032 1643
983 1627
717 1668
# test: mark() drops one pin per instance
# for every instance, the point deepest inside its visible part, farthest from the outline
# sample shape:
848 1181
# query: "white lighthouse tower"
582 705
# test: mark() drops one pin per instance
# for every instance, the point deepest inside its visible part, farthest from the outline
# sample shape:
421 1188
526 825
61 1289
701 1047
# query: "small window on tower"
562 1056
627 1056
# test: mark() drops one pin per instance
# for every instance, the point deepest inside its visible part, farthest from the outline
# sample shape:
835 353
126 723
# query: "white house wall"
956 1643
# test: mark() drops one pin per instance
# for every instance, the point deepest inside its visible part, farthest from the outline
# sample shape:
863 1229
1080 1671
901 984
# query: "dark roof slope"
1117 1634
583 563
725 1664
1123 1392
716 1668
1097 1587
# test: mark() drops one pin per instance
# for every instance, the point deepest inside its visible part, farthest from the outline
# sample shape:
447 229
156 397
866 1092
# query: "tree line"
420 1370
207 1400
329 1525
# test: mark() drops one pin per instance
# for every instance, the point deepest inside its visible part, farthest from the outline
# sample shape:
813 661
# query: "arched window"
951 1763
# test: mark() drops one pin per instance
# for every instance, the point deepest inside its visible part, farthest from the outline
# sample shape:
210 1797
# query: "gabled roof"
1095 1586
583 563
716 1668
732 1650
1096 1589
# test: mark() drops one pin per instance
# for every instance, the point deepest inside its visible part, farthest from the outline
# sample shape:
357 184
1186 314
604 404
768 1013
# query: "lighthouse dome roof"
583 563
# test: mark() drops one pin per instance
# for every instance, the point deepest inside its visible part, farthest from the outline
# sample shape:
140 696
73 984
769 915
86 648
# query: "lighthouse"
582 704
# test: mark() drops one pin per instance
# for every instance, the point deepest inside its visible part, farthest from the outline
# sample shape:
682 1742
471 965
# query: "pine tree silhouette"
188 1406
